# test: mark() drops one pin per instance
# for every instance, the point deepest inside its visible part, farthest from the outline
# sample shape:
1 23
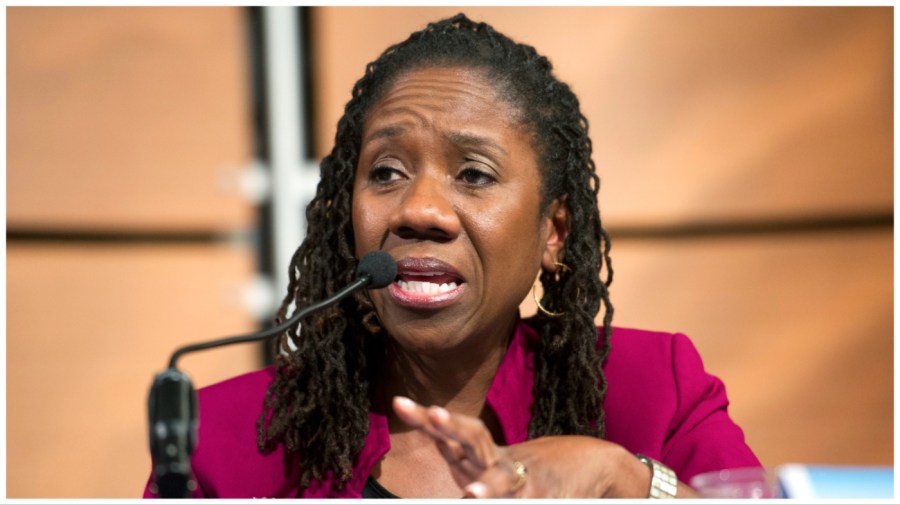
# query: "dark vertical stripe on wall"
307 67
256 53
263 244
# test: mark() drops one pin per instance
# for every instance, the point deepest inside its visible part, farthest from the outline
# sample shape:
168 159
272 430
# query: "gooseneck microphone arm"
172 403
271 332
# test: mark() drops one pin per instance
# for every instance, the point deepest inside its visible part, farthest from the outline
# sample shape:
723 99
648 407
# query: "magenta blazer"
660 403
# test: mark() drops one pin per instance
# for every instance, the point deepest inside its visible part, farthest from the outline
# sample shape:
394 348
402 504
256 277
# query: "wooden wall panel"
127 118
119 121
697 114
88 326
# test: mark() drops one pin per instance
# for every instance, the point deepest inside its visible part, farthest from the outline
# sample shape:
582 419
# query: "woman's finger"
469 432
416 416
504 479
465 470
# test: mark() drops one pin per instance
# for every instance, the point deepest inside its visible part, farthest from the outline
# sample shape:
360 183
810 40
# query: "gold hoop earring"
540 307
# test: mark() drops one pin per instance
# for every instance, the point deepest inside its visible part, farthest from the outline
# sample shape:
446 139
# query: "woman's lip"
424 300
421 270
427 266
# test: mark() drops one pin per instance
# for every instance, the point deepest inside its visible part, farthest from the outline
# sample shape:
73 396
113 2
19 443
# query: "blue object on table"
826 481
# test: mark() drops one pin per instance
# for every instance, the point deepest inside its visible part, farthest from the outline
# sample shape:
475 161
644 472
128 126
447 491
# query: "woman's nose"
426 211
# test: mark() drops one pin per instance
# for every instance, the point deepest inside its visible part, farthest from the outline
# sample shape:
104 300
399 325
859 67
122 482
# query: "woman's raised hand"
547 467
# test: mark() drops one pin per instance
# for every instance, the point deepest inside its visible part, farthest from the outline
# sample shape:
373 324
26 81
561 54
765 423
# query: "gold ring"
521 475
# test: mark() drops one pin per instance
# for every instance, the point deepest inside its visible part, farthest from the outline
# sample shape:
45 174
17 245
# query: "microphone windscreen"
380 267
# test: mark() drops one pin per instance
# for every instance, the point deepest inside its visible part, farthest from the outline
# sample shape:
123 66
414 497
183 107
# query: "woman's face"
448 184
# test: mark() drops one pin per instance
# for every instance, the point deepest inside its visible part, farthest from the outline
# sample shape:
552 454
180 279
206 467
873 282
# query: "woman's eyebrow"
471 139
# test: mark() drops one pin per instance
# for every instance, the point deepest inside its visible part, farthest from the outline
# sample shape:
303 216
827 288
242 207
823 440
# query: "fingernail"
440 413
404 402
476 489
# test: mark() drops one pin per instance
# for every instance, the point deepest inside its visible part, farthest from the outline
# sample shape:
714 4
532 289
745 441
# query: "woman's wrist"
628 478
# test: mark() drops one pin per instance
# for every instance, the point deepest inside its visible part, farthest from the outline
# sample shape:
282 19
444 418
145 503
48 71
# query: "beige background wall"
126 128
131 123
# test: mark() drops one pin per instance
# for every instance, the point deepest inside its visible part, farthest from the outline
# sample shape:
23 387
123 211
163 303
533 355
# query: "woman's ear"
557 223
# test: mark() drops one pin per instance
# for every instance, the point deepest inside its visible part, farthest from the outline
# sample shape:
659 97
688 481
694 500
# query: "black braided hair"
317 406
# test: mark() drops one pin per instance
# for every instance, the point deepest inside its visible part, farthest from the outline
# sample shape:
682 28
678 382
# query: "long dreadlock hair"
317 407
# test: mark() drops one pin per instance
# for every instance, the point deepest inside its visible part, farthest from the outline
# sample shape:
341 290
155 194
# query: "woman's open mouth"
426 283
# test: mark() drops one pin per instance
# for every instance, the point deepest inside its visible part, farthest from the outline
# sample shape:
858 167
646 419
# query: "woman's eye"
384 175
476 177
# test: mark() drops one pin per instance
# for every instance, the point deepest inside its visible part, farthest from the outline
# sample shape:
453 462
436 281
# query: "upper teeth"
425 287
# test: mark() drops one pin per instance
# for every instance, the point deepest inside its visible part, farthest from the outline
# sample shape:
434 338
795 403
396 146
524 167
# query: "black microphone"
172 403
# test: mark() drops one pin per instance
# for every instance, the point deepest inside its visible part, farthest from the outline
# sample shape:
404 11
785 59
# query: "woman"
462 156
